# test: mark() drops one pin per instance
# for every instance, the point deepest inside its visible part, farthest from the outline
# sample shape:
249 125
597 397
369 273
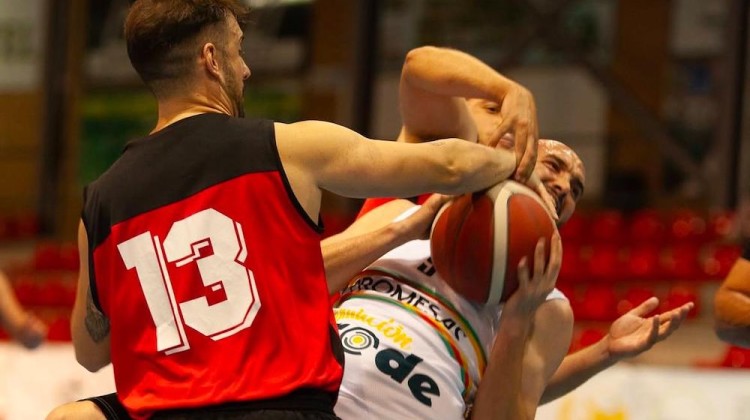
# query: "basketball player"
23 326
202 279
732 303
434 85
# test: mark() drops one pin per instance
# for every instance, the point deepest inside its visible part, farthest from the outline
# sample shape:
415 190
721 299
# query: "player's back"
209 270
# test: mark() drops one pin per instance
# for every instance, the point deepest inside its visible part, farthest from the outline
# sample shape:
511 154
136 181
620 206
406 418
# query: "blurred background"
653 95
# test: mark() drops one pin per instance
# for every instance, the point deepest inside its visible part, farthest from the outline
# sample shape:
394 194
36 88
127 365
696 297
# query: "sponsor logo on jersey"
398 366
388 328
406 294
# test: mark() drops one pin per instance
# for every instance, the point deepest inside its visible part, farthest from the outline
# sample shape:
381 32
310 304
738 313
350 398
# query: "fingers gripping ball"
478 239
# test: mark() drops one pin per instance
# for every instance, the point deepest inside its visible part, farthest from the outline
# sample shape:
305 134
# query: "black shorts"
110 406
300 405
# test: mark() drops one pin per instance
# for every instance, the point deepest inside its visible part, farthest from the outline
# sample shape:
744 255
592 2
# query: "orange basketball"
478 239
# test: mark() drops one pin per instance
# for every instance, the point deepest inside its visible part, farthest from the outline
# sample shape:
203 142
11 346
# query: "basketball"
478 239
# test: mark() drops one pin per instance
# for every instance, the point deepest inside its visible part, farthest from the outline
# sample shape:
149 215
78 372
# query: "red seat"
634 297
69 259
736 357
47 256
25 288
680 295
574 267
575 229
686 225
643 262
59 329
719 259
606 262
720 224
607 226
681 262
646 226
586 338
597 303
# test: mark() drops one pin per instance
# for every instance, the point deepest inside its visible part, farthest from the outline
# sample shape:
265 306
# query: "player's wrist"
607 355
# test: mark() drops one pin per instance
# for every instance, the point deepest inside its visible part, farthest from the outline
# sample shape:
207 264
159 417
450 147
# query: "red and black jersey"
209 271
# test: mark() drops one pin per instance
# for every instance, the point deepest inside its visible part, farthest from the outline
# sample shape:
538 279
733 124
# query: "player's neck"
176 109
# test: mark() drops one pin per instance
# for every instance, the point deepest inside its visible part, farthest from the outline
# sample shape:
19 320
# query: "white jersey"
414 348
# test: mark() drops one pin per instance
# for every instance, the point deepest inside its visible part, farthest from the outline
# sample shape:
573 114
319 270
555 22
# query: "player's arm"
318 155
374 234
548 345
629 336
434 83
732 303
503 392
89 327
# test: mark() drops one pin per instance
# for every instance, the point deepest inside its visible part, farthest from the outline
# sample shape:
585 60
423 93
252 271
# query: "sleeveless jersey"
209 271
414 347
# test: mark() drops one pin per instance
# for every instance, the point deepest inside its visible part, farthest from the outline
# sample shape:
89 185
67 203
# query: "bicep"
429 116
548 345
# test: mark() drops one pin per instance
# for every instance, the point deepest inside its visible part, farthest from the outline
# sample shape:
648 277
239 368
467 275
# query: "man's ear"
210 58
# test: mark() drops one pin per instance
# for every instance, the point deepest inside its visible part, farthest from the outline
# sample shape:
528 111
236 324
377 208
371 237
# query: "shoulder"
553 318
558 309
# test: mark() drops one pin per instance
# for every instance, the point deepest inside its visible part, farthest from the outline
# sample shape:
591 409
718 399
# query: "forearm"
345 255
475 167
500 392
578 368
449 72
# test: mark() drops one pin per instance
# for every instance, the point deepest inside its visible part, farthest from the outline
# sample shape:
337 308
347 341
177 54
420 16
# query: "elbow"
92 364
417 61
92 356
418 54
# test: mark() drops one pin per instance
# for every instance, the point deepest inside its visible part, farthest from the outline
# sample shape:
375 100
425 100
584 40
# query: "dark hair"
162 35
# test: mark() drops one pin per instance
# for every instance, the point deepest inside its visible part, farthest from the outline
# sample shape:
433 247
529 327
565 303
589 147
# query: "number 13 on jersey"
149 257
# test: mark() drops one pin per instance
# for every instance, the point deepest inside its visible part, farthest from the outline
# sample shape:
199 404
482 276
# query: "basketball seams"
499 194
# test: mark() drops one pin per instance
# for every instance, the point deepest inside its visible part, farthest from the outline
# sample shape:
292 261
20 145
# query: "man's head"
172 44
563 174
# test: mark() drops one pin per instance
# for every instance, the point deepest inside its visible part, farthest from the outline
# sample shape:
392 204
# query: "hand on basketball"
417 225
632 334
537 185
518 112
533 290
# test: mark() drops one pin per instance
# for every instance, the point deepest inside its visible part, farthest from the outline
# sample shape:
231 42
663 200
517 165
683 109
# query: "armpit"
97 324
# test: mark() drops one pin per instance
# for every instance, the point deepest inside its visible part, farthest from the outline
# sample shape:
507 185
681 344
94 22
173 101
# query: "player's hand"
632 334
537 185
518 113
418 224
533 289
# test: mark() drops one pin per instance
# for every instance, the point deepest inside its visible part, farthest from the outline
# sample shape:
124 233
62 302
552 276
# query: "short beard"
241 108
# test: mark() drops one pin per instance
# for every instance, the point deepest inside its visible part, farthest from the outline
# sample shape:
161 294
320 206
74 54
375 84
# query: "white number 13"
222 269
